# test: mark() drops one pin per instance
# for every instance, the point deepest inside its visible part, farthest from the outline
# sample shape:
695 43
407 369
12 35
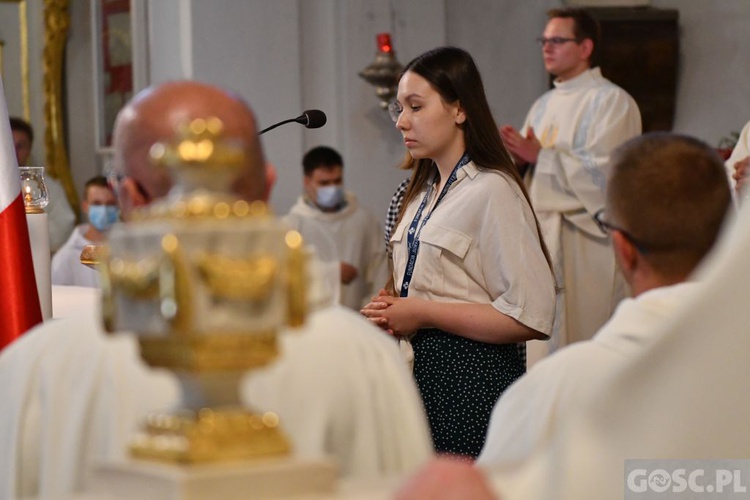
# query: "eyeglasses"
556 41
394 111
606 228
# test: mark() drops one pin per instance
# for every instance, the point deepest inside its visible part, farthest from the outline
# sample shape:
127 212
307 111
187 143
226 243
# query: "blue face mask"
102 217
329 196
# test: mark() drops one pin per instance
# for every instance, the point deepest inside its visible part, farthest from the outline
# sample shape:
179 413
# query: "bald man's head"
153 115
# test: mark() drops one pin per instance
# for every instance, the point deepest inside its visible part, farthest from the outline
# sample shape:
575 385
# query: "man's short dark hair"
98 181
584 26
671 192
321 157
22 125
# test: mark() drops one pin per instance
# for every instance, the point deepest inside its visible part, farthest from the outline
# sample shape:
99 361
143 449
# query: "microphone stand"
290 120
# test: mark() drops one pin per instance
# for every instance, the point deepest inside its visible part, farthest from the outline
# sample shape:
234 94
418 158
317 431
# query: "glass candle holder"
34 189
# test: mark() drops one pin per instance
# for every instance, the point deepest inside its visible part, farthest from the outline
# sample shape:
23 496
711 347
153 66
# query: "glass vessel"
34 189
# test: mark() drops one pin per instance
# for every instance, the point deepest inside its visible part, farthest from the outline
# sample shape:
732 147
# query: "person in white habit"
100 208
563 148
71 395
61 217
662 379
354 230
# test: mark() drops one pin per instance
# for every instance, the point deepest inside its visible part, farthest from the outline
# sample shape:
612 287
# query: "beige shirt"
480 245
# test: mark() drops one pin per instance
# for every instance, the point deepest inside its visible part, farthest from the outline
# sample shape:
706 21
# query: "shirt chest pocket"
441 267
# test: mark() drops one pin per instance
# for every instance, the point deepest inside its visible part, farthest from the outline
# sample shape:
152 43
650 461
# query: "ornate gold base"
209 436
210 353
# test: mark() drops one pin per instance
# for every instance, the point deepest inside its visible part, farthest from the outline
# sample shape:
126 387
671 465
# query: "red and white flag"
19 300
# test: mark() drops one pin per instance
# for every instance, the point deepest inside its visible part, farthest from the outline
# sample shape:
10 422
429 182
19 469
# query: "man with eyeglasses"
563 148
667 199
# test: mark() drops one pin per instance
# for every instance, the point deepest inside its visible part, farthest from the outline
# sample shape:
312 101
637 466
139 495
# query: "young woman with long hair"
471 277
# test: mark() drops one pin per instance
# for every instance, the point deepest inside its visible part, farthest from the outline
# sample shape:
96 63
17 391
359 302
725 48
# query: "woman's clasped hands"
396 315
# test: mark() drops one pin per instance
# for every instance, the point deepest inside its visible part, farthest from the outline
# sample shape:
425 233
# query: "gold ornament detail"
250 279
138 279
214 352
210 435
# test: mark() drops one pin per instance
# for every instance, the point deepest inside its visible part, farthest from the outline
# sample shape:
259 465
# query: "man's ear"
271 177
625 252
587 48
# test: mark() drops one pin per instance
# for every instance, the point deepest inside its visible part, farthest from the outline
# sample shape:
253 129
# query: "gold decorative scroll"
24 26
56 25
209 436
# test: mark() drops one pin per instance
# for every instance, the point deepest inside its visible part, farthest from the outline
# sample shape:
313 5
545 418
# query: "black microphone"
312 118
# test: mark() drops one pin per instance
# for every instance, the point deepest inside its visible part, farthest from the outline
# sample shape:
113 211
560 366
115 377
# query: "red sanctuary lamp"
384 71
384 42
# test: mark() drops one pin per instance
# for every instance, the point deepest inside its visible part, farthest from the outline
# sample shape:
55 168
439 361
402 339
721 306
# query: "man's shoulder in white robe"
526 413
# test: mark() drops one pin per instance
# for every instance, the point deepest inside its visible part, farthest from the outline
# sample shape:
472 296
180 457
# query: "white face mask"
329 196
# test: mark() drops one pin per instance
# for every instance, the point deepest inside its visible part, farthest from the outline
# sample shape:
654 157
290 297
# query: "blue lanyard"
415 229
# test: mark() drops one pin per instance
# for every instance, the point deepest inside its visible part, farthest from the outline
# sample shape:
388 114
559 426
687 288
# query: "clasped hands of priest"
524 149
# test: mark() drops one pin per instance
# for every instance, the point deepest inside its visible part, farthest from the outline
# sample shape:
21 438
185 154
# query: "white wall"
290 55
713 95
84 163
285 56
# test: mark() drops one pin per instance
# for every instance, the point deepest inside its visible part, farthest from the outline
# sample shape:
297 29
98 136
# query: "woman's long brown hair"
454 75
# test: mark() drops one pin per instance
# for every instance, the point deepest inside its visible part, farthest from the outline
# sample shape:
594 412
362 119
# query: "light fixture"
384 71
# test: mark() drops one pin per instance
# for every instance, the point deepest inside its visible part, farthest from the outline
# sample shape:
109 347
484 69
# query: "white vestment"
683 397
67 269
740 152
527 412
357 235
72 396
578 123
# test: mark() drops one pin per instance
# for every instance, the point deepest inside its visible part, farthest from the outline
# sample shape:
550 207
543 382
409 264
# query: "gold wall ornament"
56 25
383 72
